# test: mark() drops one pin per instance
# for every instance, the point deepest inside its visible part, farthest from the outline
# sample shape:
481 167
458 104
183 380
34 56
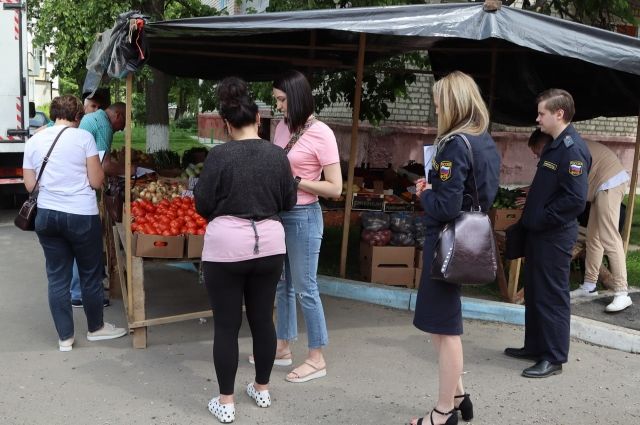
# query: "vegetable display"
506 198
167 218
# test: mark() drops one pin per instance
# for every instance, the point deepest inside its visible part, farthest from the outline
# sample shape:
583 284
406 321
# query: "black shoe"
451 420
542 369
465 407
106 302
520 353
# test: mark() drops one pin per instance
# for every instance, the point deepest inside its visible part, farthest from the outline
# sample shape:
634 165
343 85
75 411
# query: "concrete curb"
587 330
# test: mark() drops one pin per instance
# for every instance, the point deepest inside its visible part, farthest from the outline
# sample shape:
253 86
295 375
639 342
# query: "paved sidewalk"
381 370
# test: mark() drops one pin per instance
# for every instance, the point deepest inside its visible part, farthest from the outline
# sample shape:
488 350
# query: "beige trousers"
603 238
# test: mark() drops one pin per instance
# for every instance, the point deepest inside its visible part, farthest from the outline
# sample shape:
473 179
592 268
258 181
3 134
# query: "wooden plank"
355 120
626 231
514 277
136 273
171 319
119 269
126 217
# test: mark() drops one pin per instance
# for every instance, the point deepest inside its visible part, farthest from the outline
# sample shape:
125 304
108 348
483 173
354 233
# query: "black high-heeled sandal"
453 419
465 407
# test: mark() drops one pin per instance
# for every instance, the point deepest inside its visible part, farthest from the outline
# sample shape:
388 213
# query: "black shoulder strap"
46 158
476 200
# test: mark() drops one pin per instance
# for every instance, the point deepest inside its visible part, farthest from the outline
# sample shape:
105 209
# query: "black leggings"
226 284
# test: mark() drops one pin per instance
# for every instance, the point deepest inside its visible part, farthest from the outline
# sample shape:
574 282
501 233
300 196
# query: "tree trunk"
157 92
157 101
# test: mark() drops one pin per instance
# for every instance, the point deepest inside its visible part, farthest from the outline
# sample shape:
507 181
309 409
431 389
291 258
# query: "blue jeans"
303 229
76 293
63 237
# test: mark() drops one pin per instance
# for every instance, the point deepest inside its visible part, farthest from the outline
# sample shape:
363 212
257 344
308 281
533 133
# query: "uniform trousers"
546 292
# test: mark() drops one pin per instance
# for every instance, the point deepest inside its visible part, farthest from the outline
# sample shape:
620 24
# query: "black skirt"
438 306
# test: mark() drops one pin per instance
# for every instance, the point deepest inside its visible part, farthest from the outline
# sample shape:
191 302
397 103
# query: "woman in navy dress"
460 110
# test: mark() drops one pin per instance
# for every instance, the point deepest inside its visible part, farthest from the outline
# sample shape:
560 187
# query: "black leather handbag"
26 218
466 252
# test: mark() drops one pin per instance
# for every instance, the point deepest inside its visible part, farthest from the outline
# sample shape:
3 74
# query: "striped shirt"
97 123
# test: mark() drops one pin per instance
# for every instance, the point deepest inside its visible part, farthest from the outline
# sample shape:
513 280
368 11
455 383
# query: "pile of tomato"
167 218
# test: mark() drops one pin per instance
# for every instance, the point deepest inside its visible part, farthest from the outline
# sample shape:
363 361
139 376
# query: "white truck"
14 106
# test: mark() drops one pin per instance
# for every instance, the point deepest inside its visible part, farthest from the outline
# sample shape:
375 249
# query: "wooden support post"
626 231
127 194
352 155
138 312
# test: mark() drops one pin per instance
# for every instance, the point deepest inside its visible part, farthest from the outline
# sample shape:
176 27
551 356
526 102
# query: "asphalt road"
381 370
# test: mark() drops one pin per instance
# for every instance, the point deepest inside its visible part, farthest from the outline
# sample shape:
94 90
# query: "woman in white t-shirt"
312 150
67 224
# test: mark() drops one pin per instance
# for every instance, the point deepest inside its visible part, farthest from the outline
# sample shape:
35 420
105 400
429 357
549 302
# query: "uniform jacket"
451 182
558 193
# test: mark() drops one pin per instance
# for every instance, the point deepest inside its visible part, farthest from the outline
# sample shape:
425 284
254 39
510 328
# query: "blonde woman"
460 110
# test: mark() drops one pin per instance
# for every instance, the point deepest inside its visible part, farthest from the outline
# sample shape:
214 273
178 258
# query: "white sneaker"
108 331
262 398
581 293
225 413
66 345
619 303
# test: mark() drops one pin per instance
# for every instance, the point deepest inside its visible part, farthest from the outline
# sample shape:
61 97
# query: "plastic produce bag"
374 220
402 222
376 237
402 239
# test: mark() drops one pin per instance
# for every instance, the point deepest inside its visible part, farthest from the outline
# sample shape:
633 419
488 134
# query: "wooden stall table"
508 280
137 314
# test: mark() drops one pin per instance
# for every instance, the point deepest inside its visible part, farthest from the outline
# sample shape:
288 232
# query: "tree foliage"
597 13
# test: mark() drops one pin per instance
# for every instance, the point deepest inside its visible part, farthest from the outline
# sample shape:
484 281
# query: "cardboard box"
503 218
390 265
156 246
418 262
416 281
195 243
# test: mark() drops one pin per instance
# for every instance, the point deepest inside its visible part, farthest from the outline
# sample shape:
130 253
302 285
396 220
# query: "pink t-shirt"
229 239
316 148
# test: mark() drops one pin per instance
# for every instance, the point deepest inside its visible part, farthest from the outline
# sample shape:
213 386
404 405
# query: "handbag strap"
46 157
475 198
298 134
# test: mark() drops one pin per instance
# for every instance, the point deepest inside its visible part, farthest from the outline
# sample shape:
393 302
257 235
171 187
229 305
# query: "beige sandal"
314 374
285 360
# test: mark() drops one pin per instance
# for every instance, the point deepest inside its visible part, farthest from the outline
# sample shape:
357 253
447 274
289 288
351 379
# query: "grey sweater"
247 179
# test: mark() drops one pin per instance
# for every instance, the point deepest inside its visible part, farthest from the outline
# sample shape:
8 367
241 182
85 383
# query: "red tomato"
201 231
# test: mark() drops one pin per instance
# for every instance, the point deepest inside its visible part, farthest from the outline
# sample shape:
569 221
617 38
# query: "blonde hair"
460 106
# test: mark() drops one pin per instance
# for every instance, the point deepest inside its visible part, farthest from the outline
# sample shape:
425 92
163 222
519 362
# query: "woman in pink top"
245 183
312 150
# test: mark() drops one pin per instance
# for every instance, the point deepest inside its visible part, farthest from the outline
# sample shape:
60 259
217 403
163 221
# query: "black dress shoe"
542 369
520 353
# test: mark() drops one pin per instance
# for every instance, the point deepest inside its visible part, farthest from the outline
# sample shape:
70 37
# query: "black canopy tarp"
524 52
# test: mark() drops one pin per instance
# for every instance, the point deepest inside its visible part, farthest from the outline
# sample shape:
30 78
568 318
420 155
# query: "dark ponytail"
234 104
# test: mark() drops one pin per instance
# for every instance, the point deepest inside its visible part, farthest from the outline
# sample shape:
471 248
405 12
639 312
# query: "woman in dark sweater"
245 183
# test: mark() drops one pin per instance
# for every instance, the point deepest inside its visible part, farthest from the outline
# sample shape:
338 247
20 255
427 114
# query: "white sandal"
262 398
225 413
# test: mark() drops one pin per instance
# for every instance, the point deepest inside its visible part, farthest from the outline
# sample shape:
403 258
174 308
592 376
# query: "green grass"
179 140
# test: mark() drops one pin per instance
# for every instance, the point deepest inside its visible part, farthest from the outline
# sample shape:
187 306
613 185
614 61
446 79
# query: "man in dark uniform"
556 197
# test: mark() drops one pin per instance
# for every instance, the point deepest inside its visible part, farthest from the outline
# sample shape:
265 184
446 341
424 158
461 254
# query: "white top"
64 185
615 181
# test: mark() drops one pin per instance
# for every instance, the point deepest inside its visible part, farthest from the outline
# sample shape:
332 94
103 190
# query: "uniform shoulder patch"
568 141
575 168
550 165
445 170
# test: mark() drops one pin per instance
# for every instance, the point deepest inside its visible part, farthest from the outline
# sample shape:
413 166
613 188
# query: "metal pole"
626 231
352 155
127 194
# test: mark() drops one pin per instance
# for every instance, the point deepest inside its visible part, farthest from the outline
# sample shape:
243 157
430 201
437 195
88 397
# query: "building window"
223 4
42 57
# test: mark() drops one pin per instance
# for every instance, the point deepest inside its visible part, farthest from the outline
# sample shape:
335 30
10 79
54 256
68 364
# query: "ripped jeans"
303 229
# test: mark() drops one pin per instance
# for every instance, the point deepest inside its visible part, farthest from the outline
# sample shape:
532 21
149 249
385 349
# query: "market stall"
492 43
